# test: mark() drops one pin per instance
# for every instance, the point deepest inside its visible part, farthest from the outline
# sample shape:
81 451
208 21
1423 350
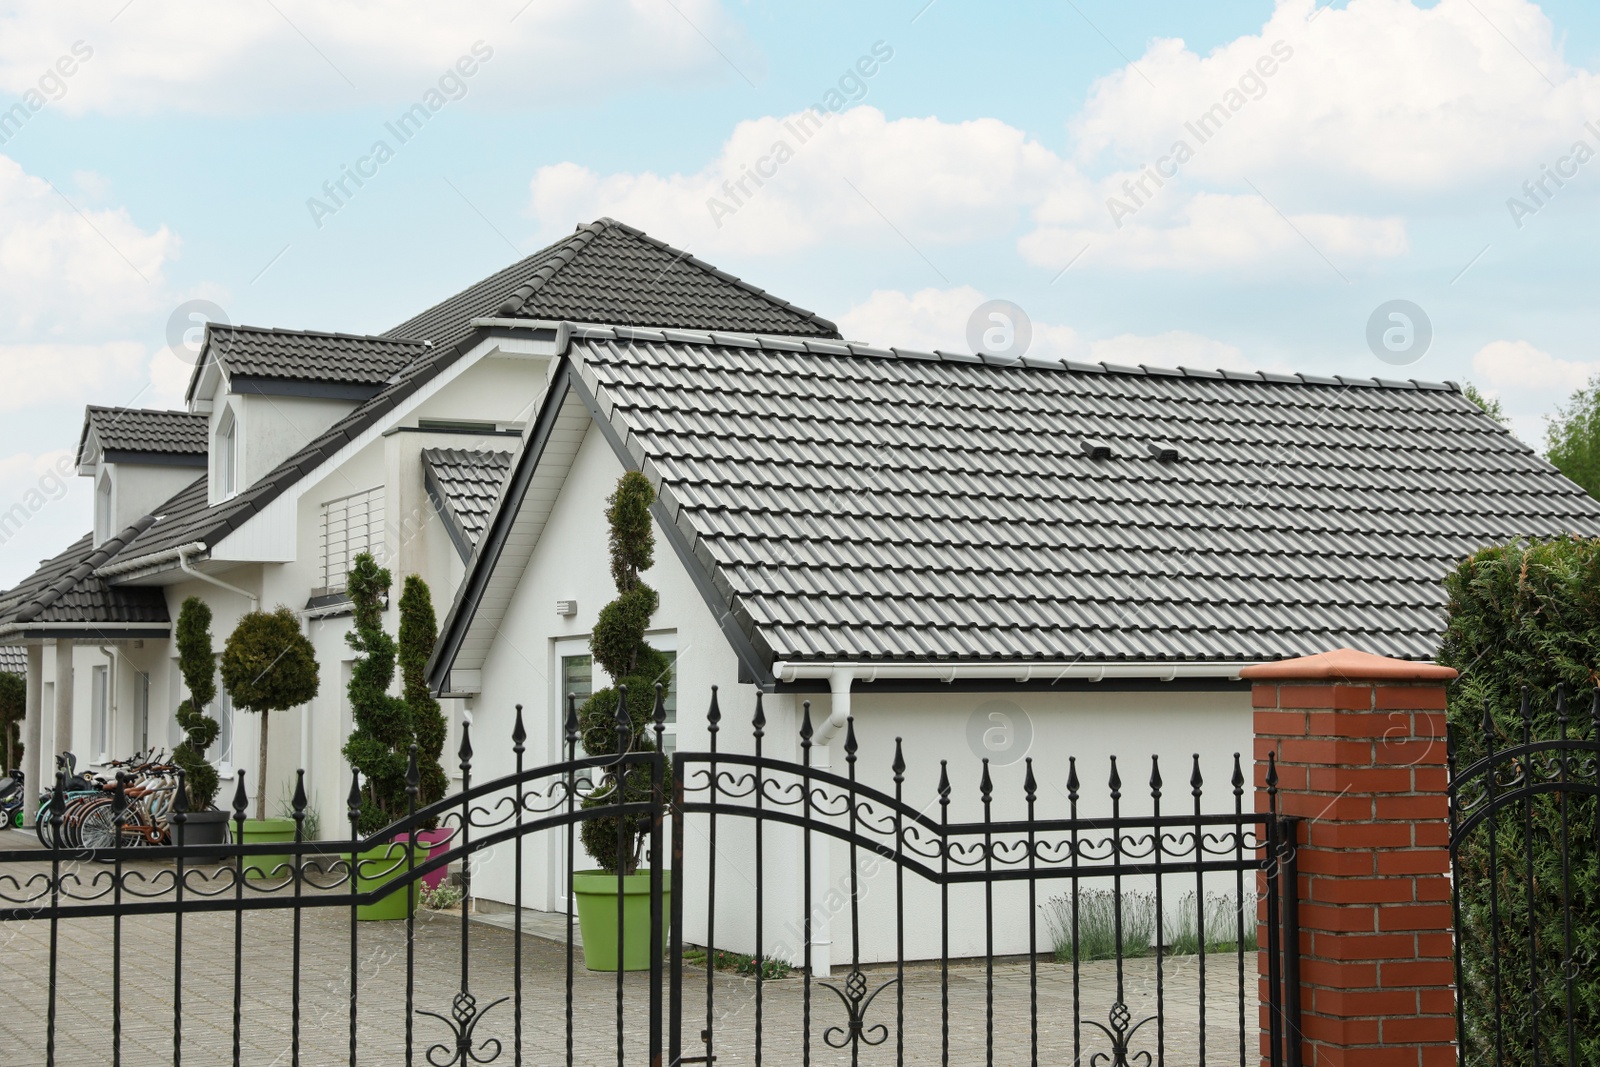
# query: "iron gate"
1525 852
1069 923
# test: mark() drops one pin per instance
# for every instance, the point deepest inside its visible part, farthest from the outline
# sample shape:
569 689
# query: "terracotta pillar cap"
1348 665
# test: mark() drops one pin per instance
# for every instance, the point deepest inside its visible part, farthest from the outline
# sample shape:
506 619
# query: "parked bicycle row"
90 820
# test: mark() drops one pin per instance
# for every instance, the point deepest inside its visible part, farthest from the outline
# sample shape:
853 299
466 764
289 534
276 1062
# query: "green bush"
1526 614
1097 924
380 745
269 665
13 708
419 629
198 666
620 649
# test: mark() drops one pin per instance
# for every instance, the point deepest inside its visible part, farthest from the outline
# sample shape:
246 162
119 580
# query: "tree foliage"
1490 406
619 647
1526 614
198 666
380 745
419 629
13 709
269 665
1572 437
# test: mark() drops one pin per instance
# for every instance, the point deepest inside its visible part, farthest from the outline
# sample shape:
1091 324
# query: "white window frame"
100 712
104 516
141 710
222 710
349 525
227 453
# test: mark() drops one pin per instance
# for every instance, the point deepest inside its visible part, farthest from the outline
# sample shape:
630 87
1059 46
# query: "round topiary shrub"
269 665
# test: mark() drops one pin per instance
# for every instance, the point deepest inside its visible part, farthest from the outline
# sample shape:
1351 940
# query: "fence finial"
1196 780
1030 785
519 733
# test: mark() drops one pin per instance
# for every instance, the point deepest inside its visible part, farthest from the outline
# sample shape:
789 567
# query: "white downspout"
183 563
839 682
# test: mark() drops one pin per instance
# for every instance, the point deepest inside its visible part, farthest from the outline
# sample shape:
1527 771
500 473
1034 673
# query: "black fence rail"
1071 923
1525 848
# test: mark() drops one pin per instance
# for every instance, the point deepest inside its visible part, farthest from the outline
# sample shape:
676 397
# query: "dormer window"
227 454
102 509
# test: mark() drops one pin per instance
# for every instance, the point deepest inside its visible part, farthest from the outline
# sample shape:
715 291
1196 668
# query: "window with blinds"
351 525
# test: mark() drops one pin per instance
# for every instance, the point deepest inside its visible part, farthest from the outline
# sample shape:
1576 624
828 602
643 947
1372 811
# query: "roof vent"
1097 450
1164 453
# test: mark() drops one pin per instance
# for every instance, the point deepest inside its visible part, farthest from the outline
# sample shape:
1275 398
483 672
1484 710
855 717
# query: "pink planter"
437 842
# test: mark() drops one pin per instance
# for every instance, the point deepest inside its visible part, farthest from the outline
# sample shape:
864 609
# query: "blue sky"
981 155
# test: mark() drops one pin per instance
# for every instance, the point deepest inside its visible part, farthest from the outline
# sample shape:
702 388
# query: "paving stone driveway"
84 1001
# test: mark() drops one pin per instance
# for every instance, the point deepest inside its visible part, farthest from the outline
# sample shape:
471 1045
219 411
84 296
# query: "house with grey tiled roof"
957 549
301 448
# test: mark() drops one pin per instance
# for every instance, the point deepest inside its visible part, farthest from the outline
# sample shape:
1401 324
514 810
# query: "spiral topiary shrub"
619 647
198 666
419 629
380 744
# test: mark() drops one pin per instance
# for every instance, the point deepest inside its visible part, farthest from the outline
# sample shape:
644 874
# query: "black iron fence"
794 913
1525 846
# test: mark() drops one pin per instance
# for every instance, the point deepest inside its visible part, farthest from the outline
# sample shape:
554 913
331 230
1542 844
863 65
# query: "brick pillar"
1360 747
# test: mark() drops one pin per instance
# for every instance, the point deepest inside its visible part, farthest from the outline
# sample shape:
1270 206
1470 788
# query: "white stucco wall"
570 562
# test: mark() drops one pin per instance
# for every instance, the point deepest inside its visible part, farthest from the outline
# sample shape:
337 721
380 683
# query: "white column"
34 765
62 739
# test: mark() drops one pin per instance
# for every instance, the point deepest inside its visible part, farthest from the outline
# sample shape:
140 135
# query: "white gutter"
155 559
183 562
1075 670
841 676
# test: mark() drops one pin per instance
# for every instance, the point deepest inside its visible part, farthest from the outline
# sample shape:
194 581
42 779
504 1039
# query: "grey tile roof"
610 272
448 327
468 484
66 590
144 430
14 660
859 504
306 355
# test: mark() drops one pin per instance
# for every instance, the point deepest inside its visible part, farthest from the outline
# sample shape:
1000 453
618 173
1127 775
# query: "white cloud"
1381 93
1211 230
1175 348
196 55
60 267
1519 367
41 374
1529 382
937 182
937 319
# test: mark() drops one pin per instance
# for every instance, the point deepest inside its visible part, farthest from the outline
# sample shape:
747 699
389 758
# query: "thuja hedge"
1527 614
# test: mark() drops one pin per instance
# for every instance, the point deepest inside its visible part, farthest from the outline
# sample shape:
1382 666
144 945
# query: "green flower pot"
595 893
258 831
377 867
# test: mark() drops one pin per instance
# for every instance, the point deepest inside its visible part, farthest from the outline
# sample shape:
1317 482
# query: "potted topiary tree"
635 668
268 665
419 629
198 665
379 746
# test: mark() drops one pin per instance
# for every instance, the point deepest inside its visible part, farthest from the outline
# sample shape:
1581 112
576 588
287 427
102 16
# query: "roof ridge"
587 233
118 409
84 568
335 334
580 331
